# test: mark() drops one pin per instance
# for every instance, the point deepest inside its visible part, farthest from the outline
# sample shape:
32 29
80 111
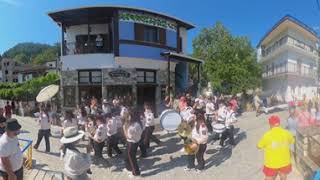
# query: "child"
90 129
229 132
200 134
112 135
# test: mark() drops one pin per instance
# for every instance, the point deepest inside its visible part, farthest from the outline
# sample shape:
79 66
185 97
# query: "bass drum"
170 120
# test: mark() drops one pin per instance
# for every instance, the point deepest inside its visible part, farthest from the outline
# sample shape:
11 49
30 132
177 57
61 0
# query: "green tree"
230 61
21 58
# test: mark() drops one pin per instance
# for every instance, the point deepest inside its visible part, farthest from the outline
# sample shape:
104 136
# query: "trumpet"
190 145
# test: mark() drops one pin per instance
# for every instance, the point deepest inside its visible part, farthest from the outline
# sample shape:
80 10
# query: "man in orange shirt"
276 145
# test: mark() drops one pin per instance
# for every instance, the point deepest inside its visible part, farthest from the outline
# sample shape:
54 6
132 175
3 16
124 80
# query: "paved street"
244 162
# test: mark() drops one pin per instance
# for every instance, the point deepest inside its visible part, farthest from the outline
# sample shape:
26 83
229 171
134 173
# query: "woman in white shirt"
229 132
76 164
112 137
200 134
133 130
44 131
210 112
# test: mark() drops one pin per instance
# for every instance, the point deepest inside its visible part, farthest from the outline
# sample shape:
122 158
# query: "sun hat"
70 135
13 125
274 120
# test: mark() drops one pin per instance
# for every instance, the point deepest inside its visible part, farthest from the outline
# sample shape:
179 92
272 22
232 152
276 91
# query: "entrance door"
146 94
87 92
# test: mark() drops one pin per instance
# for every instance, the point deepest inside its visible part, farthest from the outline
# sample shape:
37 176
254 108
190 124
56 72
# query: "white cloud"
316 28
10 2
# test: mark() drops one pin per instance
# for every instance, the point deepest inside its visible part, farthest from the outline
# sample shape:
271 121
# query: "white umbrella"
47 93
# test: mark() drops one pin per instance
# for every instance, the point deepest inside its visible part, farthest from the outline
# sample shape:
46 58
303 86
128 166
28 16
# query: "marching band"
196 121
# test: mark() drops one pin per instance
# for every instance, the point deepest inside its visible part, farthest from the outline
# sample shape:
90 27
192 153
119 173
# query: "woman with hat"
11 158
76 164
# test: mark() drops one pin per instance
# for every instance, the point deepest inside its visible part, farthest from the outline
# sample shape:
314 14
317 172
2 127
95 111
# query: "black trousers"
121 137
141 145
18 173
228 133
46 134
98 147
199 156
149 136
131 158
209 122
113 145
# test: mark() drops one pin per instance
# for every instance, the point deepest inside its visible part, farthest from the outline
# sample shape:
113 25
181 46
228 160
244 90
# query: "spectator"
276 144
2 122
10 154
8 110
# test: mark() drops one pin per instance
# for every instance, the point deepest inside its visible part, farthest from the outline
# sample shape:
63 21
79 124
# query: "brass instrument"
190 145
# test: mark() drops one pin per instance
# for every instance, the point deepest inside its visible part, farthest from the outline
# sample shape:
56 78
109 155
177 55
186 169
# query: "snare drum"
170 120
218 128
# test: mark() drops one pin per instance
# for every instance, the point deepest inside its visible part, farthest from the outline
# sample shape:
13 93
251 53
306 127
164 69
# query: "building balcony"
271 75
288 43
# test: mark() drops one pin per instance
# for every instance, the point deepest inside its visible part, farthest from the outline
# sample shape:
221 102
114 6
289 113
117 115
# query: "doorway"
87 92
146 94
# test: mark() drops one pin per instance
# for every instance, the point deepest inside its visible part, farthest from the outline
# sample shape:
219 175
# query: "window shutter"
162 36
138 31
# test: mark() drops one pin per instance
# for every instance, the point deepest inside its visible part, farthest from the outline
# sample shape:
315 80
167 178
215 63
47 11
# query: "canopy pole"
169 79
199 79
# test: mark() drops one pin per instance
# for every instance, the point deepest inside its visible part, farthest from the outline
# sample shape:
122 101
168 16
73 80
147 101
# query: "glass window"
145 76
96 77
87 77
69 96
150 34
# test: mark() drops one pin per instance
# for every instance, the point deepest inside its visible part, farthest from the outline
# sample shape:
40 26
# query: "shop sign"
147 20
119 73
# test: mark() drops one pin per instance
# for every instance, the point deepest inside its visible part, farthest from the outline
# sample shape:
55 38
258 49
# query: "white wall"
87 61
128 62
183 35
300 37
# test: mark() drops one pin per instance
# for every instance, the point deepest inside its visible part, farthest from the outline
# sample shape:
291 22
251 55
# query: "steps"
43 174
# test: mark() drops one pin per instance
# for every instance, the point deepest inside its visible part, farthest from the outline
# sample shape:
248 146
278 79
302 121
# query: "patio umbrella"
47 93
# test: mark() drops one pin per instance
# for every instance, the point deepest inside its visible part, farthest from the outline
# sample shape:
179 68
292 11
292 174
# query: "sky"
27 20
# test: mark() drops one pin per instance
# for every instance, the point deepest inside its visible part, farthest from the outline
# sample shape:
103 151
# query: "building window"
90 77
146 76
6 72
69 96
149 34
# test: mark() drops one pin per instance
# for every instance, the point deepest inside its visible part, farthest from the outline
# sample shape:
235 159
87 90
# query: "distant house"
27 72
289 56
10 70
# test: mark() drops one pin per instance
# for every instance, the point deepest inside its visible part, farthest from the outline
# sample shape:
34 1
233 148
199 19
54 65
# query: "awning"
182 57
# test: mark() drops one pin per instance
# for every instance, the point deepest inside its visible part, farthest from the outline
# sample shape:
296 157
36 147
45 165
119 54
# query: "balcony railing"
72 48
288 40
290 68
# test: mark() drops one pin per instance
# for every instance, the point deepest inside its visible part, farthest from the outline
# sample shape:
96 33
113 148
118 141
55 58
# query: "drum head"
218 128
170 120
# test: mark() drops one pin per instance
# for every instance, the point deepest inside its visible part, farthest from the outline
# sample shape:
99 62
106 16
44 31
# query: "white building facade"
289 57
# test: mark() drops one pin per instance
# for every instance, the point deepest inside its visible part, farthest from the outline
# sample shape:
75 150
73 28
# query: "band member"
112 135
229 132
210 111
133 131
44 130
99 137
200 134
90 130
149 120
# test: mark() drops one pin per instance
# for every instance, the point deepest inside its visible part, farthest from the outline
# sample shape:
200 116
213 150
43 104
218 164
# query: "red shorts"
270 172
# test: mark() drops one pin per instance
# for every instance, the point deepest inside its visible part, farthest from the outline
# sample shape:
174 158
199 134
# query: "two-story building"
289 57
9 70
110 51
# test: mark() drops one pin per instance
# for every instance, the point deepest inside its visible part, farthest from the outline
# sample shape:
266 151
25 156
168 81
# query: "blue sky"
26 20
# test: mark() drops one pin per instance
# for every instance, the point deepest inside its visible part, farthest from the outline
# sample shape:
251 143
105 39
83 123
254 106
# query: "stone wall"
69 78
108 80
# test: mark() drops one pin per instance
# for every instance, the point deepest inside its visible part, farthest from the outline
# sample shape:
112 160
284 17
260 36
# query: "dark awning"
182 57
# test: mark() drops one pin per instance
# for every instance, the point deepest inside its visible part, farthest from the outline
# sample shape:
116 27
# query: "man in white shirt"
210 110
99 138
11 158
112 137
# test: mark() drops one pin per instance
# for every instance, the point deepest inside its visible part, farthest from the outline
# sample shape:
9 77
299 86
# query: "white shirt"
106 109
202 136
9 147
76 163
44 121
118 121
149 118
134 132
112 126
101 133
67 123
209 108
123 111
81 119
222 113
230 118
186 114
